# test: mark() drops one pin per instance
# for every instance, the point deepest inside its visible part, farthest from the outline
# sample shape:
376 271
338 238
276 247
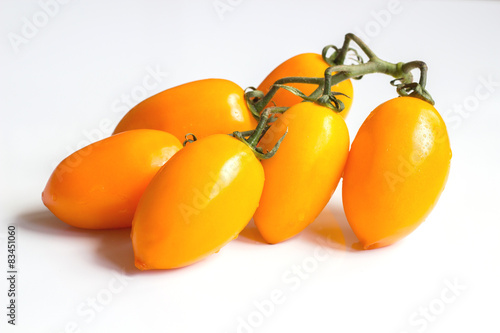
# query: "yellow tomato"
204 107
99 186
305 65
199 201
302 176
396 170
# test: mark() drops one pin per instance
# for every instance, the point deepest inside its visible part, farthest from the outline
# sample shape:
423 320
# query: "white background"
72 76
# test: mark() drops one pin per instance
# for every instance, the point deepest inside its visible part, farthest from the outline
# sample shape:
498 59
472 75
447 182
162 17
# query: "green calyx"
190 138
252 138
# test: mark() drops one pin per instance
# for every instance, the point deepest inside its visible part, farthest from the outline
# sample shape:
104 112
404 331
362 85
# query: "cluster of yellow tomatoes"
186 202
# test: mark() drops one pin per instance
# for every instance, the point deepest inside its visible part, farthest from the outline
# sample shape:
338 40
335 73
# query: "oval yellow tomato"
396 170
305 65
99 186
199 201
204 107
303 174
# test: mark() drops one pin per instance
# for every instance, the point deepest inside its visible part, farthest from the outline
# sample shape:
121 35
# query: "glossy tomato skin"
199 201
302 176
204 107
396 170
306 65
99 186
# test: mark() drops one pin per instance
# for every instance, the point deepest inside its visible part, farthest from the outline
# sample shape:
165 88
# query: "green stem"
261 126
339 72
344 72
256 135
423 70
340 59
400 71
261 104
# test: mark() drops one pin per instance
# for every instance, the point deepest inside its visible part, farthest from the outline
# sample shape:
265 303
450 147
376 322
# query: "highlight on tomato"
204 107
396 170
99 186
